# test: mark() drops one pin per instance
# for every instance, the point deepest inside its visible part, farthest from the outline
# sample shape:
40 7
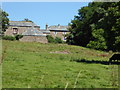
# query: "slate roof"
22 24
58 28
33 32
45 31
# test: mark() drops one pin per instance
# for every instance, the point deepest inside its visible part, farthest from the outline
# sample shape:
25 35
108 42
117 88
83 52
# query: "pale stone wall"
58 34
41 39
10 30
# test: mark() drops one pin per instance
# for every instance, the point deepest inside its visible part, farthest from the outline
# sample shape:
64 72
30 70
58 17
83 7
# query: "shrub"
12 38
18 36
54 40
50 39
58 40
0 37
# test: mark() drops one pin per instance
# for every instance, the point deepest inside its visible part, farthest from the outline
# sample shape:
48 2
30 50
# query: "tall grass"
32 65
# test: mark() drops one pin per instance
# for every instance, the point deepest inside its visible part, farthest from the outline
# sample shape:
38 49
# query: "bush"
18 36
50 39
12 38
58 40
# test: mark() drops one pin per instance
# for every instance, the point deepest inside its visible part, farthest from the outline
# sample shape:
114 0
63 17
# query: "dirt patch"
62 52
104 55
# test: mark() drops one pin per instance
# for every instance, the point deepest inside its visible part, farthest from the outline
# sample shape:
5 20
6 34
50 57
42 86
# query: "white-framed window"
64 33
55 33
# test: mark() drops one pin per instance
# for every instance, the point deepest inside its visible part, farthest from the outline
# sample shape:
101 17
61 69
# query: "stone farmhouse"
56 31
32 32
59 31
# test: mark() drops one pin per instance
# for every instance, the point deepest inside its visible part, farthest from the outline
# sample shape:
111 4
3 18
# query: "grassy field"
35 65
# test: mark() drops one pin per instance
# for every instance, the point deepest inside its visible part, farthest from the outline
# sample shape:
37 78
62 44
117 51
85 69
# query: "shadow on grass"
96 62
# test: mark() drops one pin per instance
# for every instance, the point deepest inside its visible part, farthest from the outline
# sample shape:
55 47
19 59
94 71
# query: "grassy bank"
35 65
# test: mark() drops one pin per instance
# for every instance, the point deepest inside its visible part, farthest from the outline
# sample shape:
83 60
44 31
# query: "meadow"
36 65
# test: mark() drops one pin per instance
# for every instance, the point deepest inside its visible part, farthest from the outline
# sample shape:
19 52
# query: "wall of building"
10 30
41 39
58 34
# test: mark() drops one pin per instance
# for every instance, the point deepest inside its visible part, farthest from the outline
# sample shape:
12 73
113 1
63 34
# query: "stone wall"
58 34
41 39
10 30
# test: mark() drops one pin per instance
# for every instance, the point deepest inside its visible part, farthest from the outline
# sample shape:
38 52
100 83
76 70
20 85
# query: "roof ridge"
21 21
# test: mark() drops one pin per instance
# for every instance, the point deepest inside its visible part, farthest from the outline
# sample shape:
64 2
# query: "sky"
42 13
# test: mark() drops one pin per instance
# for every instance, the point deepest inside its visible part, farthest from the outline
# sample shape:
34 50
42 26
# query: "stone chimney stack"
39 28
58 25
46 26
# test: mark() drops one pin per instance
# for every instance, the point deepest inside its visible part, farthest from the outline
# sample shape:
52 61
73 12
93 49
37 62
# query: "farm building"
58 31
32 32
33 35
18 27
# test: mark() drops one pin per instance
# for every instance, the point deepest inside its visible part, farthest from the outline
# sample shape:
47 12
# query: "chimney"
58 25
46 26
39 28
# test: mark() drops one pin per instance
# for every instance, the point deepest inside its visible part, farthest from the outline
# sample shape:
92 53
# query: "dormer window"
15 30
55 33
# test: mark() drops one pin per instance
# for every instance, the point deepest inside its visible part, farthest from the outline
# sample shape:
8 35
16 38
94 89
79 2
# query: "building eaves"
58 28
33 32
45 31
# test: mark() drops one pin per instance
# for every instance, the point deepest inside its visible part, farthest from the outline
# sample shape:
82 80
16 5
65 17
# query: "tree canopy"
27 20
97 26
4 21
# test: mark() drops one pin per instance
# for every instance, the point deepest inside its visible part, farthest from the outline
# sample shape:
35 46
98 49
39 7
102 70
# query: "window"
64 33
64 38
15 30
55 33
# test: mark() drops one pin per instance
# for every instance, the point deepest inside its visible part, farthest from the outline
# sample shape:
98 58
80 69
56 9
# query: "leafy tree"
18 36
4 21
54 40
58 40
97 26
50 39
99 41
26 19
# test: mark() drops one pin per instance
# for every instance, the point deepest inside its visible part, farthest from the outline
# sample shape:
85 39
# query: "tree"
4 21
97 26
26 19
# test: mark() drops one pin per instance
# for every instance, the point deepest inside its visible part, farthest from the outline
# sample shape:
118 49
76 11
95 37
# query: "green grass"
32 65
